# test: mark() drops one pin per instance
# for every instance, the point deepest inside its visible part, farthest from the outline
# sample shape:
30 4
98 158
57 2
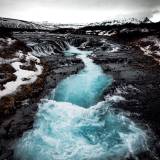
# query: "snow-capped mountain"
21 24
121 22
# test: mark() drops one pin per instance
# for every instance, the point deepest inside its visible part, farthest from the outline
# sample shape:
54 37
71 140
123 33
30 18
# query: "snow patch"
10 41
150 46
23 76
8 61
30 57
114 98
31 77
107 33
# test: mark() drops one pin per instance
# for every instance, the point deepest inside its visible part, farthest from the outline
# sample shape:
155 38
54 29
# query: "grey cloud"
86 3
136 7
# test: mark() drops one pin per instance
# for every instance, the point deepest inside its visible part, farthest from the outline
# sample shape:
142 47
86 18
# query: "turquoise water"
86 88
72 125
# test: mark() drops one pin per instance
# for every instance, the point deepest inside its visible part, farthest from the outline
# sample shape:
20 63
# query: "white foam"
114 98
66 131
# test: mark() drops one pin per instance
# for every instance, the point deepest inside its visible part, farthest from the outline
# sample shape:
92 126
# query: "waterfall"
48 48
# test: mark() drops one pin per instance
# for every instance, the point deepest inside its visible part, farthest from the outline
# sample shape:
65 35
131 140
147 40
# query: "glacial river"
75 123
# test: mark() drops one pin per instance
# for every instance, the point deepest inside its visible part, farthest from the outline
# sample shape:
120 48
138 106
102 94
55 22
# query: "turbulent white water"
71 125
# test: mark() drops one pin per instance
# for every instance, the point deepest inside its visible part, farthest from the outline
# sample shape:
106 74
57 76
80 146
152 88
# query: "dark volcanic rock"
7 105
137 79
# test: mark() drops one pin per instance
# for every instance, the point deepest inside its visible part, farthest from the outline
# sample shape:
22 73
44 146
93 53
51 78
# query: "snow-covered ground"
5 42
108 33
23 76
112 32
150 47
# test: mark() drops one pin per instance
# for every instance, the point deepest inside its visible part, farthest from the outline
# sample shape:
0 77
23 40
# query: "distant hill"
21 24
10 23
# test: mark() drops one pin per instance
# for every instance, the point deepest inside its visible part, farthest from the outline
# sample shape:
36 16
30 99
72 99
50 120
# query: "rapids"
74 123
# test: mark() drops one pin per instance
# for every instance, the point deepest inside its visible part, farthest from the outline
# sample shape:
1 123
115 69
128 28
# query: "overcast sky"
79 11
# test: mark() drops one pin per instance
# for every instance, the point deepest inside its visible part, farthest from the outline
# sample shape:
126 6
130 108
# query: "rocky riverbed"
136 79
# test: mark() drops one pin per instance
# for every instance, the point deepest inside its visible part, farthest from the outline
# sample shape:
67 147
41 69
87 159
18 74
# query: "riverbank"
137 80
